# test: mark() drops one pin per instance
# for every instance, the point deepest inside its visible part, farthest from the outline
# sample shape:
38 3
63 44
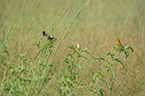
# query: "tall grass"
33 65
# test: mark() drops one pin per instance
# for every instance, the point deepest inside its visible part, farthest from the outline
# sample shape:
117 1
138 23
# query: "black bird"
48 36
44 34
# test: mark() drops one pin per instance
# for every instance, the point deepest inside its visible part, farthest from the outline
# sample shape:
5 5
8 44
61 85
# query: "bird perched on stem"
118 42
121 47
48 36
78 45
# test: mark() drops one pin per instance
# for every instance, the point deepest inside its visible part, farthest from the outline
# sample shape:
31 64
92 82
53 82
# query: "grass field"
32 65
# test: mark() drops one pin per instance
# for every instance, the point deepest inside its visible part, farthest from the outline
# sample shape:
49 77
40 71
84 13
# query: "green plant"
25 70
99 75
68 78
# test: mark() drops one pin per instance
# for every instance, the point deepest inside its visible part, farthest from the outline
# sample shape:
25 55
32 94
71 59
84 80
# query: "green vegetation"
32 65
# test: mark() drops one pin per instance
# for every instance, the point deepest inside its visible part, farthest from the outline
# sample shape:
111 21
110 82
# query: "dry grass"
97 27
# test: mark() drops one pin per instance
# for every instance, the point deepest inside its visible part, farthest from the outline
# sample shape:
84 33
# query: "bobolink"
48 36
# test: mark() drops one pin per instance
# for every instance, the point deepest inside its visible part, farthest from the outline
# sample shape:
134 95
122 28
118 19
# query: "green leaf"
101 92
125 44
100 58
7 89
10 68
126 53
113 75
86 51
94 76
114 47
119 62
52 66
70 55
131 48
82 87
84 57
69 47
106 82
108 54
69 66
79 67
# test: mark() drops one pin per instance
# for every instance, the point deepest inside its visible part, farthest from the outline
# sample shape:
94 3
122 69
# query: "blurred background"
97 27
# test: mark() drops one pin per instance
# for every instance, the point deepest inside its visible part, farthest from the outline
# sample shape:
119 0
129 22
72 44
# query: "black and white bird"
48 36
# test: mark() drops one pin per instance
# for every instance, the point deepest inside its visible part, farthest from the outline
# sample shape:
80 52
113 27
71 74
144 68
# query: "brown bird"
78 45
